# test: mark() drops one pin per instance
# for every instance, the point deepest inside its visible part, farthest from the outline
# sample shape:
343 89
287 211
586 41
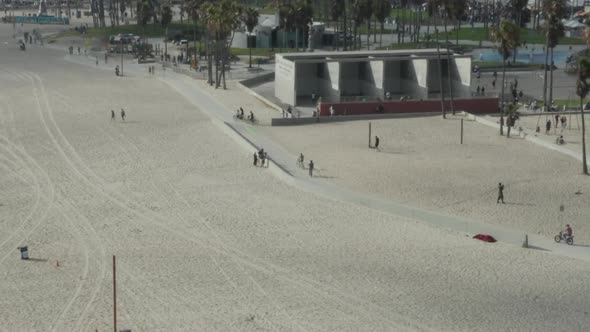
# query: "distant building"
268 34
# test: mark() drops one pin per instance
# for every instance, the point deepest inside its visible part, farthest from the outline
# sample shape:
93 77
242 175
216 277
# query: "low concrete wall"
250 82
340 118
275 168
263 99
475 105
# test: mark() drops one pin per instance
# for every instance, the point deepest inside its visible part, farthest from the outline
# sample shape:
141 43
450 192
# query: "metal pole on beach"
114 295
369 135
121 60
461 131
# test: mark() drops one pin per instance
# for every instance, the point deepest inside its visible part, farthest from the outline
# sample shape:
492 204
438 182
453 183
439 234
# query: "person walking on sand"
255 159
500 193
377 143
122 114
112 115
311 168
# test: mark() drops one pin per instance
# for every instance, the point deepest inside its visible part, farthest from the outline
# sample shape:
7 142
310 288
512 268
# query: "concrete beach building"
369 76
338 75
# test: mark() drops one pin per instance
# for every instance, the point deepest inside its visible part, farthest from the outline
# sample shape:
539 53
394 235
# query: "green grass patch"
261 51
421 45
405 14
526 35
498 64
151 30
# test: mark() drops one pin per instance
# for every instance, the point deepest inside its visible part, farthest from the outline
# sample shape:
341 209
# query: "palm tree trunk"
457 34
166 43
545 73
584 163
502 93
375 32
368 34
381 35
440 83
551 81
449 72
428 34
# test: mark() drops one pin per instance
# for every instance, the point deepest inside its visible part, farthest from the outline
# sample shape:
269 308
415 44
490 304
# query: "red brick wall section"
475 105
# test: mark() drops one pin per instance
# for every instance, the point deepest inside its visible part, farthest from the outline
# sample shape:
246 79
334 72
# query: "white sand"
206 242
422 163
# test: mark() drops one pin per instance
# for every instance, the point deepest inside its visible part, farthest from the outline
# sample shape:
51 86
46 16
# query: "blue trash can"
24 252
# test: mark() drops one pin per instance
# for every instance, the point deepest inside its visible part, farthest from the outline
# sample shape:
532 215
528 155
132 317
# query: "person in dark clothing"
548 127
500 193
255 159
377 143
122 114
311 168
112 115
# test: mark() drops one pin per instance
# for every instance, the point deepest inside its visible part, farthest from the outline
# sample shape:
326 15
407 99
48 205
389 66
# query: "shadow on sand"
537 248
521 204
38 260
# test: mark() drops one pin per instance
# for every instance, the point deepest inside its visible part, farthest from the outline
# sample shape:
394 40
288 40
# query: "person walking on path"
548 127
122 114
500 193
311 168
377 143
112 115
255 159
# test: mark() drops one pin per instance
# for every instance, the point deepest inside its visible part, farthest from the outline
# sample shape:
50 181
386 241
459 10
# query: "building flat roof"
363 56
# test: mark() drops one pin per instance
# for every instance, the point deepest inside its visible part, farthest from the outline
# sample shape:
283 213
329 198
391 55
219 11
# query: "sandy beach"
206 241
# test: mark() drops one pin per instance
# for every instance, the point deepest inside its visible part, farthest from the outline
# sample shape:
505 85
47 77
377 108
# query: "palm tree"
582 89
223 19
144 13
555 31
456 9
368 14
433 11
165 21
337 11
507 37
359 8
303 13
250 20
381 9
451 6
287 18
554 10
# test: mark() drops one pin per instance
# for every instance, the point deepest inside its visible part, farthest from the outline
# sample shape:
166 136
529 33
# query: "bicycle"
299 163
